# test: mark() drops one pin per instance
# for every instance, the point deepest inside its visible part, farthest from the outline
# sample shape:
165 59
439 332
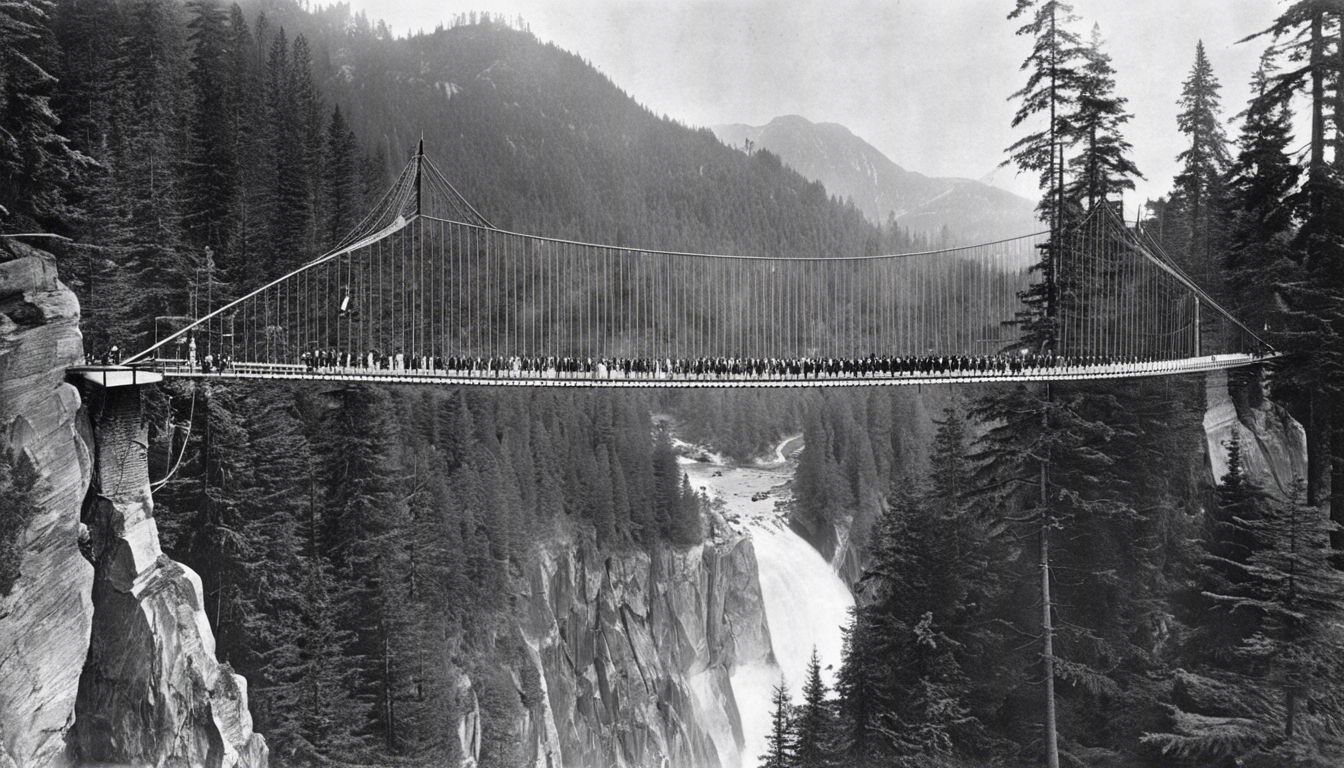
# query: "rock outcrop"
151 692
112 663
1273 443
635 655
45 619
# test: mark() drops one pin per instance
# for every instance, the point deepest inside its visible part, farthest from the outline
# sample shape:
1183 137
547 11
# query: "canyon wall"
635 655
46 617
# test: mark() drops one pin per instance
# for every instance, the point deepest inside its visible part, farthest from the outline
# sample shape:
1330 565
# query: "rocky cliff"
1273 443
635 655
45 619
111 661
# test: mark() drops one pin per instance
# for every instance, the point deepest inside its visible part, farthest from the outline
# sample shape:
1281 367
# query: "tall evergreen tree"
1260 692
812 721
1258 219
1102 167
364 521
916 598
1199 184
858 684
1054 81
340 181
243 264
1312 371
310 139
1300 650
291 649
210 178
779 742
289 98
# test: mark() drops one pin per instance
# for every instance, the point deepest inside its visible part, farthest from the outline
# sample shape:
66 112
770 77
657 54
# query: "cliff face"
111 662
151 692
635 655
45 620
1273 444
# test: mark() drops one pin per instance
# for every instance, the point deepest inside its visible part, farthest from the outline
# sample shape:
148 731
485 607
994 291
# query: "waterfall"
806 603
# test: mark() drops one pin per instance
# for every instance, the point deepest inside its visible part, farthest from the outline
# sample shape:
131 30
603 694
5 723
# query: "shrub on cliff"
18 505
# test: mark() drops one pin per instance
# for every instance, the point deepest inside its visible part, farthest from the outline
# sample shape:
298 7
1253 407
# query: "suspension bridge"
425 290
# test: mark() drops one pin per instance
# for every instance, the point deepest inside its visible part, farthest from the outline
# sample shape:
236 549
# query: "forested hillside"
1056 582
541 142
1045 575
358 546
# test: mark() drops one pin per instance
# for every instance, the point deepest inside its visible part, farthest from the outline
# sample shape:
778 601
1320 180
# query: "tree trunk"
389 714
1047 605
1048 634
1316 171
1336 429
1290 635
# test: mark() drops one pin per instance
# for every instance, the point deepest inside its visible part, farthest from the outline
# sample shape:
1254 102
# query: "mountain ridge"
959 208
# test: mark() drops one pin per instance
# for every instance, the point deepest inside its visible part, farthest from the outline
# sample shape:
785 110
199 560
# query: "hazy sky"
925 81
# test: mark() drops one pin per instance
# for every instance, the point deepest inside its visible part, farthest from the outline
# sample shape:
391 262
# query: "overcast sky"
925 81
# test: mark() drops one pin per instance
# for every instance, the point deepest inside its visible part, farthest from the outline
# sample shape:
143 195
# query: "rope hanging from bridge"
424 277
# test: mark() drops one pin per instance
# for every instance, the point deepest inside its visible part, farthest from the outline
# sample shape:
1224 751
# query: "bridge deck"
251 371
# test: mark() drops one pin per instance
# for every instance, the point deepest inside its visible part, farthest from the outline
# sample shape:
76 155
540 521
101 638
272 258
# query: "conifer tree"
289 96
1261 693
310 139
364 523
36 160
328 720
779 745
1313 366
1025 418
1054 80
158 268
858 685
291 651
210 180
1300 650
1258 219
243 264
19 486
1199 184
812 721
601 499
340 181
1102 167
916 597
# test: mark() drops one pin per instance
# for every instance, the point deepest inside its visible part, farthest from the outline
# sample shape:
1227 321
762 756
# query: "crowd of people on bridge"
334 361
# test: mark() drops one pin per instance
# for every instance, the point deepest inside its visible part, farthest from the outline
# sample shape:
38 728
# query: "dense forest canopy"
1041 580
